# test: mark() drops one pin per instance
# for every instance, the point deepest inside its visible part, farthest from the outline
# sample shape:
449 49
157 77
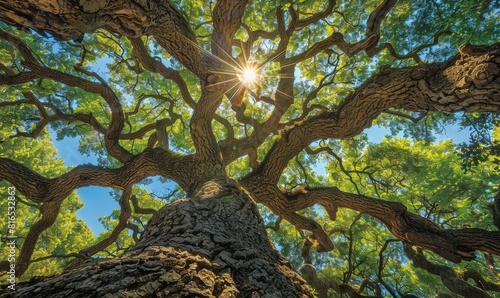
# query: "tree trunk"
191 248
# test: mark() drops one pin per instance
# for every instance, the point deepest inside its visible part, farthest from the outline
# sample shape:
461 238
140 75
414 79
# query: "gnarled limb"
454 245
117 118
375 20
479 280
218 82
262 191
49 212
148 163
468 82
69 20
44 119
227 17
284 96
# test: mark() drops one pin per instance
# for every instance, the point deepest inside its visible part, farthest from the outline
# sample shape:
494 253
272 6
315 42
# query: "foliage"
68 234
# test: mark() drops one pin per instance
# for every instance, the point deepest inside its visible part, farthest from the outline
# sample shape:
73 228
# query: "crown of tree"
254 116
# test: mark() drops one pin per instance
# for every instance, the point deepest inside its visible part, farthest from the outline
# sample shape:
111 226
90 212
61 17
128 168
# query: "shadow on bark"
191 248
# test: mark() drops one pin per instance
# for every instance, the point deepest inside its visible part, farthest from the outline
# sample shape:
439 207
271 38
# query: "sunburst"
249 75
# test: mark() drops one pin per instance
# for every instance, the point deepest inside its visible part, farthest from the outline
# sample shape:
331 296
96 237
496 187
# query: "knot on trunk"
214 188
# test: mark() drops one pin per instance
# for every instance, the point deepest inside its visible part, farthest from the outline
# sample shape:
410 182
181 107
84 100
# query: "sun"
249 75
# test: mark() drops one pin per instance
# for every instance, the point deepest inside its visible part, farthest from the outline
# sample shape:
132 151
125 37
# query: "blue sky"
98 200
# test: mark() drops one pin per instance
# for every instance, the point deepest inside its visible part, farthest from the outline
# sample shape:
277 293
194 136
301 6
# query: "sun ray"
246 74
238 87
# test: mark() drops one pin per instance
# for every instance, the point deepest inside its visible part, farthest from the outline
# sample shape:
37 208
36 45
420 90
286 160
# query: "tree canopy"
259 113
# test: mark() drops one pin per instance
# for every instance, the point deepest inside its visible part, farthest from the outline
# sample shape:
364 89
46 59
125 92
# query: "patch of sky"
454 132
98 201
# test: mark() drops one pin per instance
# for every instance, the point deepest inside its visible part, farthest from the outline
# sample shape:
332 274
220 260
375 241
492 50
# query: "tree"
235 101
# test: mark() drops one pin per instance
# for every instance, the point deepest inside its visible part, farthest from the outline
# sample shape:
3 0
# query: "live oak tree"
236 102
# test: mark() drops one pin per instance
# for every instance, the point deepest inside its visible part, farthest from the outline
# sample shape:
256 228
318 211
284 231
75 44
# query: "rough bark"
466 88
154 272
191 248
467 82
71 19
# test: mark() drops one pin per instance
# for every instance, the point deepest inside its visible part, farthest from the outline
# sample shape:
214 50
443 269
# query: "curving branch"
373 29
374 22
49 212
117 118
226 16
57 115
151 162
479 280
157 18
413 53
336 39
284 205
468 82
454 245
227 20
301 23
284 96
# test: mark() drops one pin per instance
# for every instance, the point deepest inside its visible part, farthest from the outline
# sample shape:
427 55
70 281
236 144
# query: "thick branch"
227 20
454 245
70 20
480 281
468 82
117 117
49 212
375 20
227 17
263 191
149 163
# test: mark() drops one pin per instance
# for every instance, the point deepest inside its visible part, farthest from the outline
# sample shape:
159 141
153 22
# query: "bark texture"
153 272
191 248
